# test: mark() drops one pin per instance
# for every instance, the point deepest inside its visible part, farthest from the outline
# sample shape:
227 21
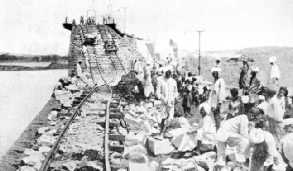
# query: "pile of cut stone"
82 146
144 151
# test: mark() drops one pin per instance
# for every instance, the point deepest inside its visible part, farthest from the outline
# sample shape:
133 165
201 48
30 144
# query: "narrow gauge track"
100 116
97 96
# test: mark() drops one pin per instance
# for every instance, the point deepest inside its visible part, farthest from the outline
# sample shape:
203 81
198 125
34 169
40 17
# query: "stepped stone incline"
101 59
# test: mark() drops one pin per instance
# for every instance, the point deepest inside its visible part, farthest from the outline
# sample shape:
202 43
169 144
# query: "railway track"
97 113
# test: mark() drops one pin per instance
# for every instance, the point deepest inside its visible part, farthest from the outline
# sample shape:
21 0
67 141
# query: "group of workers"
253 120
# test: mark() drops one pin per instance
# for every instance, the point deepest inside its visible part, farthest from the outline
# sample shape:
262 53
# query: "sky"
35 26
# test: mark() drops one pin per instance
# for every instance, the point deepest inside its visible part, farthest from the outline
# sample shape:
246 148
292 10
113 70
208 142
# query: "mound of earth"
259 56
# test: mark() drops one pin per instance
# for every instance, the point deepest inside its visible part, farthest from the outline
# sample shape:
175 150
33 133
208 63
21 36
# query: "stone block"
159 146
138 166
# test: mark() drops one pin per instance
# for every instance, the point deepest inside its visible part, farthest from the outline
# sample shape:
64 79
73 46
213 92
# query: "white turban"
206 107
273 59
261 97
216 69
256 135
254 68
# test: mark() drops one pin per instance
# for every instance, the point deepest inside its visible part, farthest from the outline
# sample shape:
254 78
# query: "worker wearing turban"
207 131
217 95
264 151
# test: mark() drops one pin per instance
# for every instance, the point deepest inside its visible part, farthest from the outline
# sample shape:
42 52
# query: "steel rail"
50 156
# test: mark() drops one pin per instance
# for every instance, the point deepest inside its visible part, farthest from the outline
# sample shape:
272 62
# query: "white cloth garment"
207 132
206 107
263 106
140 71
167 92
238 125
276 108
208 125
275 72
272 149
147 82
287 142
216 69
79 70
218 93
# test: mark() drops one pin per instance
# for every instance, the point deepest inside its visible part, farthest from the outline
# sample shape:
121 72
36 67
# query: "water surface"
23 94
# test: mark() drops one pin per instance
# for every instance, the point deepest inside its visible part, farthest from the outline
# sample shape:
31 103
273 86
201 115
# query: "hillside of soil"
259 56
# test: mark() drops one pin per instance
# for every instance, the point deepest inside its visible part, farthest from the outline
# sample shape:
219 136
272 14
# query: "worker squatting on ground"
167 92
206 132
217 95
275 72
234 130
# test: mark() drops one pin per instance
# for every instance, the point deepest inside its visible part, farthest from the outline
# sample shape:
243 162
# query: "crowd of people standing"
254 118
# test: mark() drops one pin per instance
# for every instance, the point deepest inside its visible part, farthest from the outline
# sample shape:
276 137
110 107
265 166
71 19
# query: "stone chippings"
82 147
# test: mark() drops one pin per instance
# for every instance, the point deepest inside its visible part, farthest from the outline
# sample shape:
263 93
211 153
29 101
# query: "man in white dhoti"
233 132
217 95
275 72
79 72
206 132
147 82
275 113
138 68
167 92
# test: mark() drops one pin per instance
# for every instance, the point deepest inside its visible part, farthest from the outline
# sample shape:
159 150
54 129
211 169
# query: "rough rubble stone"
136 157
26 168
159 146
138 166
154 166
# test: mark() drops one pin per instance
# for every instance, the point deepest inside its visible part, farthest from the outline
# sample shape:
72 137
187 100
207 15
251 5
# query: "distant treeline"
40 58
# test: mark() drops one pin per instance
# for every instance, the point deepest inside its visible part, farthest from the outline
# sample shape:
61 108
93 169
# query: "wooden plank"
115 116
116 137
117 148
